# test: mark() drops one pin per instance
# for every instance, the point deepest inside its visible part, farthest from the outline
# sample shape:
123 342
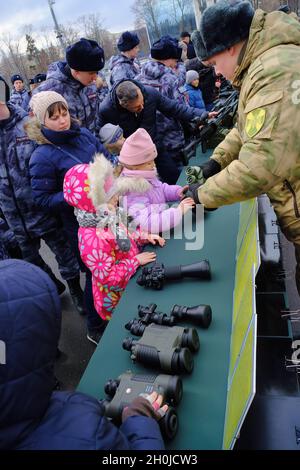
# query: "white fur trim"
98 172
134 185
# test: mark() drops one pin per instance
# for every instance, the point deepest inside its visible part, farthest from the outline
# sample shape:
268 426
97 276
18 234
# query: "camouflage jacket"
261 154
82 100
21 213
121 67
20 99
167 81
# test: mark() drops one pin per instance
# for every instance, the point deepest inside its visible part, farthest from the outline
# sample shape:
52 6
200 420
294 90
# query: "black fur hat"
199 46
85 55
166 48
224 24
16 77
127 41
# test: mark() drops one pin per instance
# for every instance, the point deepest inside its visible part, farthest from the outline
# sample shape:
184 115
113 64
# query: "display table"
224 371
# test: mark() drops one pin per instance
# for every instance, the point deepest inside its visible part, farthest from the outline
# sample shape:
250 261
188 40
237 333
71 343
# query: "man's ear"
232 50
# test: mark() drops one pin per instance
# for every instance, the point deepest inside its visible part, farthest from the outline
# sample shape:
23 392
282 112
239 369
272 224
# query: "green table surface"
202 410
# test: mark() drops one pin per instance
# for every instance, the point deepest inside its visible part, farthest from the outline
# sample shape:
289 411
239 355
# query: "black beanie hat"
85 56
127 41
16 77
39 78
224 24
166 48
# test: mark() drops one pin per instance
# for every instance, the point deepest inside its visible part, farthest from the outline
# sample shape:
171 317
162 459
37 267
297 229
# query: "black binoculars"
200 315
166 348
156 276
128 386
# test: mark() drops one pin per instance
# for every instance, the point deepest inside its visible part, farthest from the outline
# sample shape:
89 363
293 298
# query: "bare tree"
179 8
70 32
146 11
11 52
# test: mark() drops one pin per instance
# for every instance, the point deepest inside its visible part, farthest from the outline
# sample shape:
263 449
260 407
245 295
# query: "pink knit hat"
138 149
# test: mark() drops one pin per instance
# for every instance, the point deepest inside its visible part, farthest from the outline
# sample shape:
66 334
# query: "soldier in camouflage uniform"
27 223
125 65
19 96
75 80
262 153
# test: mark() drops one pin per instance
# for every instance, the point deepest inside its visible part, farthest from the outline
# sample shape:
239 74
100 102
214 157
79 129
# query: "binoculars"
166 348
156 276
200 315
194 175
128 386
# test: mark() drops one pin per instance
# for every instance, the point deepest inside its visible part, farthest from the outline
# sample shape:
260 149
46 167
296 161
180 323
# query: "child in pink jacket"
107 247
146 196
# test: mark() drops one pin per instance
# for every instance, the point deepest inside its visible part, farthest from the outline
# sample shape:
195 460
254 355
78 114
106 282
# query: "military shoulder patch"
255 121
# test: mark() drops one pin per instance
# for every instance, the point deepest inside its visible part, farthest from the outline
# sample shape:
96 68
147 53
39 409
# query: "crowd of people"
90 169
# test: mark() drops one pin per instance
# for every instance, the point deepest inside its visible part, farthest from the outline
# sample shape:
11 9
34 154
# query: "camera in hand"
122 391
156 276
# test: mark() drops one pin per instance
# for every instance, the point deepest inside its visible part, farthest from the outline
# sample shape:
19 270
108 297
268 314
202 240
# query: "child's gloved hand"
186 205
146 405
146 257
154 238
182 191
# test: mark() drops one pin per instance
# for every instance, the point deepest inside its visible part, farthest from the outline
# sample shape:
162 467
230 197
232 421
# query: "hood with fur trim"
34 131
88 186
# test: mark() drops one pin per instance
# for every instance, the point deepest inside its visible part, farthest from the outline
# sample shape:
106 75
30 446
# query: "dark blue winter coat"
17 204
195 97
56 153
20 98
32 416
82 101
110 111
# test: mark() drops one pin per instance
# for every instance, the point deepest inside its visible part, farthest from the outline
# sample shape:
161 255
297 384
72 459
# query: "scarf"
147 174
118 222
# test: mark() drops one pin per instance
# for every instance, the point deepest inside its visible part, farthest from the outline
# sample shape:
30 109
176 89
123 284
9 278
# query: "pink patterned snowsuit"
111 268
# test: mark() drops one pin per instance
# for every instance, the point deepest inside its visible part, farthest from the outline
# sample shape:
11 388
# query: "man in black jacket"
132 105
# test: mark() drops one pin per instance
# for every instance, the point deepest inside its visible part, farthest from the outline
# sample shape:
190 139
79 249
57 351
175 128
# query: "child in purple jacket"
145 196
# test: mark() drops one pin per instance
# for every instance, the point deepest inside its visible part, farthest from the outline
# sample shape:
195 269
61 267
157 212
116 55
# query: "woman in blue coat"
32 416
62 143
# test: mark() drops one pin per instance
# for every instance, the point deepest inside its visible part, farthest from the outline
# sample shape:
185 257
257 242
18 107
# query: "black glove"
193 192
210 168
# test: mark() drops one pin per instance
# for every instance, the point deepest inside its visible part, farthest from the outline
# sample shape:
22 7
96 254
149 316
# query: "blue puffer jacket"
195 97
56 153
82 101
123 68
20 98
31 415
21 213
110 111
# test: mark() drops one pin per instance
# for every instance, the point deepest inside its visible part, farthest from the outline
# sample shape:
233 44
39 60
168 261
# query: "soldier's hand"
210 168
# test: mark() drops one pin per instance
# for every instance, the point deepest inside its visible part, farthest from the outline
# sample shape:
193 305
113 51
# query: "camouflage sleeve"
242 179
229 149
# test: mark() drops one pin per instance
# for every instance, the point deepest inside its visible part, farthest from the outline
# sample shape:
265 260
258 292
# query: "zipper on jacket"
288 185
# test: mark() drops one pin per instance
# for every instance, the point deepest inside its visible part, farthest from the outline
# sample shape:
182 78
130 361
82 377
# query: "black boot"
76 294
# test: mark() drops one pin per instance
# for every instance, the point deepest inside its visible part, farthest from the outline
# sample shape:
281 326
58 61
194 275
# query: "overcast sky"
13 15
